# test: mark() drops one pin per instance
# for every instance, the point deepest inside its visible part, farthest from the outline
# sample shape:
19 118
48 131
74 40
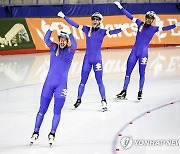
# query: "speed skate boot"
122 94
104 105
51 138
139 95
78 102
34 137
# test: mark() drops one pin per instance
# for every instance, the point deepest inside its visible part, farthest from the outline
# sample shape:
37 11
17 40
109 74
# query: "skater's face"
62 42
96 22
149 20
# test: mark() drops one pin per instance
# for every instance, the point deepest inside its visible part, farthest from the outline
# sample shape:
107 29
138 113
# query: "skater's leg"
142 67
98 70
46 97
58 105
131 62
86 68
40 115
60 96
39 118
130 66
84 78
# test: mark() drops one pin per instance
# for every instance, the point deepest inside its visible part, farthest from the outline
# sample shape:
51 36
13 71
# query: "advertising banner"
39 26
14 34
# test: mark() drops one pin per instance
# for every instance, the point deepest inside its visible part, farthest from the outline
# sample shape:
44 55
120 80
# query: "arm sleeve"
115 31
125 12
168 27
71 22
47 38
73 43
139 22
85 29
128 15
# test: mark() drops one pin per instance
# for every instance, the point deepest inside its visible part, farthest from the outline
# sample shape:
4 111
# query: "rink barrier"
28 33
15 35
38 28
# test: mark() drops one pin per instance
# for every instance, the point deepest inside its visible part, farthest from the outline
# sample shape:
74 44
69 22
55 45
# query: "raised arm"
71 37
73 42
54 26
71 22
47 38
169 27
125 12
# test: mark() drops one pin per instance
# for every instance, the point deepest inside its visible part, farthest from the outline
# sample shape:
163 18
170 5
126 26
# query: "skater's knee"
83 81
99 80
57 112
128 73
84 77
59 103
142 74
100 84
42 112
44 104
82 84
57 109
43 109
45 101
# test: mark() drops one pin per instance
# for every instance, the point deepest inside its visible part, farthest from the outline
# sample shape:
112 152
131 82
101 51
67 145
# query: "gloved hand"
61 14
66 29
54 26
177 24
118 4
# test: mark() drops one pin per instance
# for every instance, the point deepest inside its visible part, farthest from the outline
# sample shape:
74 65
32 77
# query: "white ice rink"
88 130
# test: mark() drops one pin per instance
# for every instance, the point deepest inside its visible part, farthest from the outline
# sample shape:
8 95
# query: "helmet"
98 15
151 14
62 34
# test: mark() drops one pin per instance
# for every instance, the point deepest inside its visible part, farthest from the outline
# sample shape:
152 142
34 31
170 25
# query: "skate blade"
121 99
51 142
104 109
50 145
31 143
139 98
75 108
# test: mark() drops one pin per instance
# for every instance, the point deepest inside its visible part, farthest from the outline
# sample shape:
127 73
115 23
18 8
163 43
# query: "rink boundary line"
118 134
22 86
